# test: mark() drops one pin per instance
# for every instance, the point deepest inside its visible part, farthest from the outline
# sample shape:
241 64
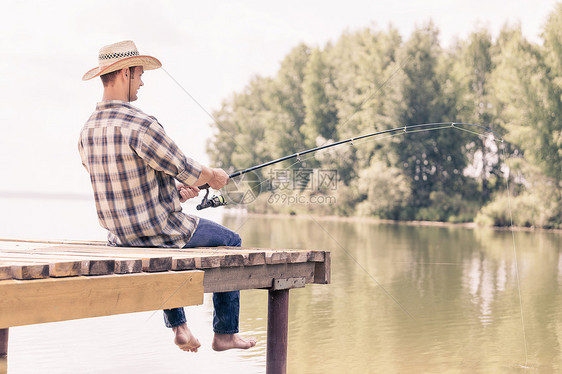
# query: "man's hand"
216 178
187 192
219 179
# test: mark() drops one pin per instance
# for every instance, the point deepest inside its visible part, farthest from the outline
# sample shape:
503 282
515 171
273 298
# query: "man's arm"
216 178
161 153
210 176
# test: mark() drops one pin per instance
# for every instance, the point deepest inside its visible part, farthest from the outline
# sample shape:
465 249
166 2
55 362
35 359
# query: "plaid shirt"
132 165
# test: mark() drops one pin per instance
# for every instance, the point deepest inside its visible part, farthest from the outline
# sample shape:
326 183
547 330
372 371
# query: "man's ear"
124 73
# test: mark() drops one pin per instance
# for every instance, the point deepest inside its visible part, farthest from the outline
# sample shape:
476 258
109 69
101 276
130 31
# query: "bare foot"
223 342
184 339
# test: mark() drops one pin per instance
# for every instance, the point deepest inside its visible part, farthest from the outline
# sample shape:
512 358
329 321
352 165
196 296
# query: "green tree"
363 63
386 190
284 134
241 126
371 80
433 161
472 70
320 111
528 108
549 129
527 81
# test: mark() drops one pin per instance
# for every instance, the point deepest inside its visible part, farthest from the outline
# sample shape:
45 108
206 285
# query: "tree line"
371 80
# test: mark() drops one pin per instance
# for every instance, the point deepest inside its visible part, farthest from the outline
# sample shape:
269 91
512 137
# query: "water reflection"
459 285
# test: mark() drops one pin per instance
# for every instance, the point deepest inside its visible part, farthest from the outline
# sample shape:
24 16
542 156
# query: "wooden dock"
48 281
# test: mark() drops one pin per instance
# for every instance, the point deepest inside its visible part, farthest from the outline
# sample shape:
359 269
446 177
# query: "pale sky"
212 48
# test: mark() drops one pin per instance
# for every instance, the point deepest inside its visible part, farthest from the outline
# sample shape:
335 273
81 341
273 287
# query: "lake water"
403 299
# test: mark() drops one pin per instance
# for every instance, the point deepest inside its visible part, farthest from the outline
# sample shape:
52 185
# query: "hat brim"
147 62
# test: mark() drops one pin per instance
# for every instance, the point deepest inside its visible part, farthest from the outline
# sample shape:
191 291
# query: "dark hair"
110 77
106 79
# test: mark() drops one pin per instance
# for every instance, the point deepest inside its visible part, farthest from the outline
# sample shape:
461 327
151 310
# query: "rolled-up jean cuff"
226 332
174 317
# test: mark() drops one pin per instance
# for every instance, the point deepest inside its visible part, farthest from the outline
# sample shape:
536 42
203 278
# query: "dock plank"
241 256
98 267
88 265
126 259
153 259
39 279
58 267
25 270
5 271
150 261
122 265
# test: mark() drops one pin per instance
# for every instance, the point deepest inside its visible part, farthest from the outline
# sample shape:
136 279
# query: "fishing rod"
218 200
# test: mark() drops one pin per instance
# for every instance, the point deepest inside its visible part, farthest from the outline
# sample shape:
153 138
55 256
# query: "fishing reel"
213 202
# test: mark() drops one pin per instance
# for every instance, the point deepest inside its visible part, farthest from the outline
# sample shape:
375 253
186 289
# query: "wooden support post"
277 331
3 342
3 351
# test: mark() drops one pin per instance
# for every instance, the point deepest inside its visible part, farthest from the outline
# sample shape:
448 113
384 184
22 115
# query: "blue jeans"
227 304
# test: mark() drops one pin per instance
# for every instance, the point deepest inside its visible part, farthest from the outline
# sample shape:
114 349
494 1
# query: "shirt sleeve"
83 154
160 152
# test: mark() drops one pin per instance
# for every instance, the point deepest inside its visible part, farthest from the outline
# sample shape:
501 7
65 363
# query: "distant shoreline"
468 225
45 195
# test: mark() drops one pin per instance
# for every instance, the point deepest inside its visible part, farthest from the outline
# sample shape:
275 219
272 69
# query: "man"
137 172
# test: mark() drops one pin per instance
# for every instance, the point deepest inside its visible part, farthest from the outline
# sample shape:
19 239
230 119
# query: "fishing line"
192 98
399 131
511 227
416 128
215 120
430 263
363 268
515 257
298 156
187 279
352 142
479 134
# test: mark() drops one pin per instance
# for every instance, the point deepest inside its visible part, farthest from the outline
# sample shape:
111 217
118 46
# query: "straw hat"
118 56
